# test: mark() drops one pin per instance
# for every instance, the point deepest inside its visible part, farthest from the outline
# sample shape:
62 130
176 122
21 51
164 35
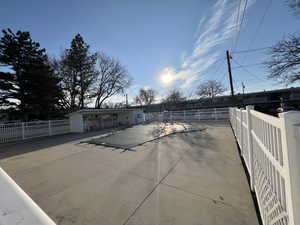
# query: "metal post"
49 127
184 115
23 131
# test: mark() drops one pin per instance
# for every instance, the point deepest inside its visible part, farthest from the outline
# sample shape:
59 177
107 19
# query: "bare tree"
210 89
294 5
69 82
113 79
145 96
284 64
174 96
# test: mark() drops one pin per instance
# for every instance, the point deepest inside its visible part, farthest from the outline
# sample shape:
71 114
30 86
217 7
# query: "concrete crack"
153 189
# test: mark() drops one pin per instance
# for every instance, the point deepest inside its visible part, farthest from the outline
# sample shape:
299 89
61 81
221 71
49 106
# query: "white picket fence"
189 115
24 130
270 147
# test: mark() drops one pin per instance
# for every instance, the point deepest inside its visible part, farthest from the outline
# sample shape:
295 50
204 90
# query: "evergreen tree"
77 69
29 84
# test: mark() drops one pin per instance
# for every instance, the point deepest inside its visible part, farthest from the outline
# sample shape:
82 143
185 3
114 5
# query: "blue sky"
185 39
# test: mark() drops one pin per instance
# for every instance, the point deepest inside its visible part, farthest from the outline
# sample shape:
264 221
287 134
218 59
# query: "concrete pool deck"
184 179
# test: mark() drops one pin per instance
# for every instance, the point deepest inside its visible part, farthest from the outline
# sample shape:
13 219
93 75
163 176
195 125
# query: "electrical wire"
260 24
251 50
246 70
241 25
218 68
238 16
254 64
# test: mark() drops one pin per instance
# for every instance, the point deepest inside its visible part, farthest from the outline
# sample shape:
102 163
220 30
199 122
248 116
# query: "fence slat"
10 132
272 156
189 115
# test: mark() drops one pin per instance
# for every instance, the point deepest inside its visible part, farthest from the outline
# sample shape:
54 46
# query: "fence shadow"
38 144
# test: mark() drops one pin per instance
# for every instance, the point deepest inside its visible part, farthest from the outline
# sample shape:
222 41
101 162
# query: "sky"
164 44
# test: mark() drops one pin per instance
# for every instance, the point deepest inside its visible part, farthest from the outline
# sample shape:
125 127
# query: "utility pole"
229 72
243 86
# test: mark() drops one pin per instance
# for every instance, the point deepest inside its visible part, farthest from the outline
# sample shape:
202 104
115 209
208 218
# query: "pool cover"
140 134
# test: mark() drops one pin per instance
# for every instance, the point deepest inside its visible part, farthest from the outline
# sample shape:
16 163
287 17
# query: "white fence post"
49 127
236 121
23 131
250 146
216 116
241 132
290 135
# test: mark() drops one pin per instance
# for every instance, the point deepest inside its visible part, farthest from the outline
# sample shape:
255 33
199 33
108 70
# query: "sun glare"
166 77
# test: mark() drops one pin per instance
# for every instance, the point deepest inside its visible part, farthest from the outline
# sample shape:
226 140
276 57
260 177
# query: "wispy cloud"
212 32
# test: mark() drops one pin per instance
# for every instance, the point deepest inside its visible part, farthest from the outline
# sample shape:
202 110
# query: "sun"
166 77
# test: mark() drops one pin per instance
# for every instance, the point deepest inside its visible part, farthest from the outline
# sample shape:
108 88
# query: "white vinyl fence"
189 115
270 147
24 130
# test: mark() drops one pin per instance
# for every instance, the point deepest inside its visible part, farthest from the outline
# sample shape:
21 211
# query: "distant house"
262 99
94 119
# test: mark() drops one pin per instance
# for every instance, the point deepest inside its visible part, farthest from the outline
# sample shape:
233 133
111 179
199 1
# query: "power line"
224 74
238 16
220 60
246 70
248 65
260 23
241 24
258 28
219 67
251 50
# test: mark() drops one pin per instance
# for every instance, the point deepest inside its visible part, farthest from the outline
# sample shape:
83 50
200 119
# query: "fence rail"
24 130
270 148
189 115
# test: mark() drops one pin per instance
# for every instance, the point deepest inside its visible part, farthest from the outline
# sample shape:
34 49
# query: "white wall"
137 117
125 118
76 123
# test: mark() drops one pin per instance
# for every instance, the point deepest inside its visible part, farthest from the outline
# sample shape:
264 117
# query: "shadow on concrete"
37 144
139 135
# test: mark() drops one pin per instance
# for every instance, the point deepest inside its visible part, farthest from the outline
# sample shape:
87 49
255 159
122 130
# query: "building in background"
95 119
